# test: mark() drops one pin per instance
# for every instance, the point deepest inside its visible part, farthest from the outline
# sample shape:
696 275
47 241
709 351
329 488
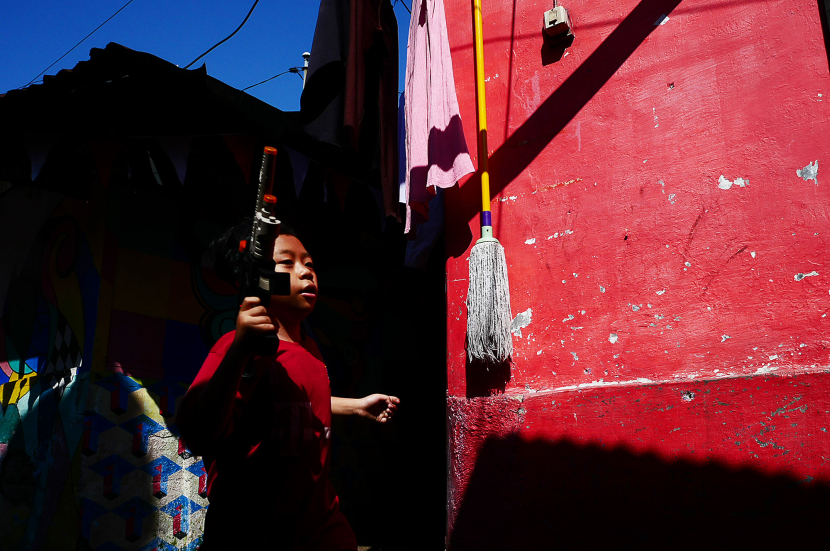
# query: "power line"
78 44
291 70
404 5
226 39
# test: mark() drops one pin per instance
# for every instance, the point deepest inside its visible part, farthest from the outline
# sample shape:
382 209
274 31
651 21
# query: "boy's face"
291 257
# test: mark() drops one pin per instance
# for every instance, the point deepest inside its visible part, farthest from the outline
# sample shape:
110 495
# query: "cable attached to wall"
295 70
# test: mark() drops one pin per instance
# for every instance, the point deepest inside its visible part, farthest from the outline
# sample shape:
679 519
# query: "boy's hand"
253 321
378 407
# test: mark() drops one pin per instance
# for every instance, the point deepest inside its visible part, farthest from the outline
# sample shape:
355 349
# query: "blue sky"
35 33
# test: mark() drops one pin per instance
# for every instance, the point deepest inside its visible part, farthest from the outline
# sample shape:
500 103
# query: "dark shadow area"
155 203
509 68
824 13
393 485
560 495
553 50
247 501
486 379
531 138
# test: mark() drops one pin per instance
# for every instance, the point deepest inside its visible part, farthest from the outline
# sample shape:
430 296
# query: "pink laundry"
436 150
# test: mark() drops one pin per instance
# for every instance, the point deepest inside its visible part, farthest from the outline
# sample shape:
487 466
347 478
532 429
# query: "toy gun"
258 278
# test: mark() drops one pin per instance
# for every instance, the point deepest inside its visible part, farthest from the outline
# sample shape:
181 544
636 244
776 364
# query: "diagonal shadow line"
531 138
580 27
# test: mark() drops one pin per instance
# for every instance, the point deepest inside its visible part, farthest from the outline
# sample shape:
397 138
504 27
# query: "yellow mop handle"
482 116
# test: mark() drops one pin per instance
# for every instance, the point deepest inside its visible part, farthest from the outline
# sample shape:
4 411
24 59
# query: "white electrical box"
557 22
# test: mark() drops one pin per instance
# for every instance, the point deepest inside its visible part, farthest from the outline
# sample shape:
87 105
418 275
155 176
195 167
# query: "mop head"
488 304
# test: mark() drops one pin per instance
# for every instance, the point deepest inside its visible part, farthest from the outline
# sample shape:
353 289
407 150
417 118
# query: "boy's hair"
227 260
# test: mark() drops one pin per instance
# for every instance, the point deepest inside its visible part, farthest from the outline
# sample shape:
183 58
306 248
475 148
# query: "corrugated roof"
124 93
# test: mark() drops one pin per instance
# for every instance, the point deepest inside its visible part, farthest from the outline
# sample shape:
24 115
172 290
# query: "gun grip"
266 346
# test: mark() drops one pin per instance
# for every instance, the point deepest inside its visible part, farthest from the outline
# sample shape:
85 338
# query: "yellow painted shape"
148 406
142 283
21 387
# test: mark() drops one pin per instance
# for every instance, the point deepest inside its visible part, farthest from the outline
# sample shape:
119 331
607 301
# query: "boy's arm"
377 407
211 406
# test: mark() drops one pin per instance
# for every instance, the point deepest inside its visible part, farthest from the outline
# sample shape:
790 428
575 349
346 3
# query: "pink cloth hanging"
436 151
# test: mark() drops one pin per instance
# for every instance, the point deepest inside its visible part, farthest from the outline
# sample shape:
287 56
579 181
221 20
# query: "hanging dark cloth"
321 104
350 98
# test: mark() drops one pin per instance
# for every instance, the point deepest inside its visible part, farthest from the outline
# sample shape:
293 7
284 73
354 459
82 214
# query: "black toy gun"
258 278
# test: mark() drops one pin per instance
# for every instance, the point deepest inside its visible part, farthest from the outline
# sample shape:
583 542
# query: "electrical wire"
291 70
78 44
226 39
404 5
410 12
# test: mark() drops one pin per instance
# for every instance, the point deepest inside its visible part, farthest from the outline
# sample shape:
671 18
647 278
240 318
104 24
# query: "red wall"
655 225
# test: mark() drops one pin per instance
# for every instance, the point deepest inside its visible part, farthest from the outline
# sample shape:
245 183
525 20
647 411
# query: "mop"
488 295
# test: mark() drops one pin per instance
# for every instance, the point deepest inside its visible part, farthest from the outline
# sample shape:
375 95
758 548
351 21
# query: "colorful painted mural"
107 314
109 307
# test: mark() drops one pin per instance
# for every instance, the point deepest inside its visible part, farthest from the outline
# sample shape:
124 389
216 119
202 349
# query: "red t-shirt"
268 473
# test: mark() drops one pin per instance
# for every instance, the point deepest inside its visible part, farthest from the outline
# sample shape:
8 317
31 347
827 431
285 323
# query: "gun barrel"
266 176
266 227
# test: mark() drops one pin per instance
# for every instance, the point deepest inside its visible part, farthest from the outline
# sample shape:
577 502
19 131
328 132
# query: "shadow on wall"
528 141
560 495
824 12
486 379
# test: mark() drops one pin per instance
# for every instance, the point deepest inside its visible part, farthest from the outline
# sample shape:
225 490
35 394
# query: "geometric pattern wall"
156 493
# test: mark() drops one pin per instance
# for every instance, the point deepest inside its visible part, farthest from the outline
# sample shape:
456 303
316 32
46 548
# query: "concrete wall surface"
656 189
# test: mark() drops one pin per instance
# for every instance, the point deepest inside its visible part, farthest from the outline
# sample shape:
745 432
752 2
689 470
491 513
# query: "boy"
264 431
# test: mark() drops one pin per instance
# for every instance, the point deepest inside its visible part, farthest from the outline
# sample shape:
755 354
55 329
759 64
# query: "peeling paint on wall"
800 276
765 369
559 184
809 172
603 383
521 321
723 183
560 234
